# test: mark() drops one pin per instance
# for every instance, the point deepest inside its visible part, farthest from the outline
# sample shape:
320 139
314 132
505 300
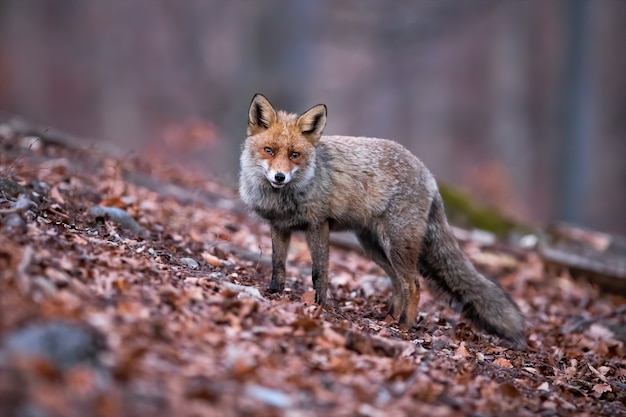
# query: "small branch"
584 323
20 274
22 204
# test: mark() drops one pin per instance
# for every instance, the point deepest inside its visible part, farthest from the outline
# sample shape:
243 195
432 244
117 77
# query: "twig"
58 213
22 203
21 278
581 324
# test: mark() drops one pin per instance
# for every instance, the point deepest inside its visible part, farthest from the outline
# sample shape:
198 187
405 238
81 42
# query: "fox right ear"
312 122
261 114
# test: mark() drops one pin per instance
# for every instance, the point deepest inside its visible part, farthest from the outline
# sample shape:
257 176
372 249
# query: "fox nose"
279 177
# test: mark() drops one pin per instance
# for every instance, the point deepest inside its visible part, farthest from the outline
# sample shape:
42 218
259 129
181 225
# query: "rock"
190 263
6 131
116 215
65 344
11 189
269 396
243 291
14 222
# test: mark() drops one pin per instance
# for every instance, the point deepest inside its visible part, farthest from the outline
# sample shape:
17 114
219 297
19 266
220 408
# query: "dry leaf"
461 351
211 259
503 362
56 195
308 297
544 386
599 389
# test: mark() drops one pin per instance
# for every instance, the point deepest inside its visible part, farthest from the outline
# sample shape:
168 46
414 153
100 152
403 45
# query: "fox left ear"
261 114
312 122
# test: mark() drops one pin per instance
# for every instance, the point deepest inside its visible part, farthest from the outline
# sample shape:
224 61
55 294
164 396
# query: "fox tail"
449 272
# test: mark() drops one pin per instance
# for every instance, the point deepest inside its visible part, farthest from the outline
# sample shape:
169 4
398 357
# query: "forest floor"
160 307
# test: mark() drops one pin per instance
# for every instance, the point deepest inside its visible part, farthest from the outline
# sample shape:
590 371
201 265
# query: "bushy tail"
448 271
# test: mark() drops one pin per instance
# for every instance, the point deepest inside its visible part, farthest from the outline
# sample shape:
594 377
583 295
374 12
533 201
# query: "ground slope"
160 308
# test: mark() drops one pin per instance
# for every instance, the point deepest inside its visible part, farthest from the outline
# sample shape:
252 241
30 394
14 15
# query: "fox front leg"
317 239
280 246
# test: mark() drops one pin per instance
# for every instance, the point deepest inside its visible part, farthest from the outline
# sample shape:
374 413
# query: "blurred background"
520 103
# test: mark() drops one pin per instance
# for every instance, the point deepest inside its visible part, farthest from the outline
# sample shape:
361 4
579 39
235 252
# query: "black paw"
276 288
320 298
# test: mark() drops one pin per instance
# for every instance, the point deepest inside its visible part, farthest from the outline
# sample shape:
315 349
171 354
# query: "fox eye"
269 151
294 155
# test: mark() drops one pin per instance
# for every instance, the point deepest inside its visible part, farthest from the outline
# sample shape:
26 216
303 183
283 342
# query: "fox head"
283 144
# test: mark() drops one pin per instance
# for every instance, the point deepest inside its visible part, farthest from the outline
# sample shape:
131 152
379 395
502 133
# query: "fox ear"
261 114
312 122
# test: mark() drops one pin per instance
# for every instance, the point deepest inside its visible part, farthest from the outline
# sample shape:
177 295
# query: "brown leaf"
599 389
211 259
201 388
341 365
56 195
509 390
308 297
115 201
331 339
503 362
461 351
307 324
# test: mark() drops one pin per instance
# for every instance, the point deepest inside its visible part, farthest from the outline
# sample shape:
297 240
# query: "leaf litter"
129 288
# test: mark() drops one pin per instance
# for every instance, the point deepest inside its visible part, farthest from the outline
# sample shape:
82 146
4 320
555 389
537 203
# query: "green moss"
11 188
464 212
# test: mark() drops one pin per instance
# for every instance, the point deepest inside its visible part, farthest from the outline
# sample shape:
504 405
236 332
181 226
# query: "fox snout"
277 179
280 177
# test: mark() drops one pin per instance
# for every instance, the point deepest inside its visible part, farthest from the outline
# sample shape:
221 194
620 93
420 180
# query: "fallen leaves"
189 328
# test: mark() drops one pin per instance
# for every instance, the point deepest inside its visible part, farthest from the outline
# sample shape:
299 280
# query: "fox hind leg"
407 273
376 253
402 255
402 237
402 245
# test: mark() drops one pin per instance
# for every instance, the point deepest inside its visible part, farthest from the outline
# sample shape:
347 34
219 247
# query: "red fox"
297 179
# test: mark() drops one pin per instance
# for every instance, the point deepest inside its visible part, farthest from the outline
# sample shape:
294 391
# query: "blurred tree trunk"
120 116
281 46
577 123
28 82
510 132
